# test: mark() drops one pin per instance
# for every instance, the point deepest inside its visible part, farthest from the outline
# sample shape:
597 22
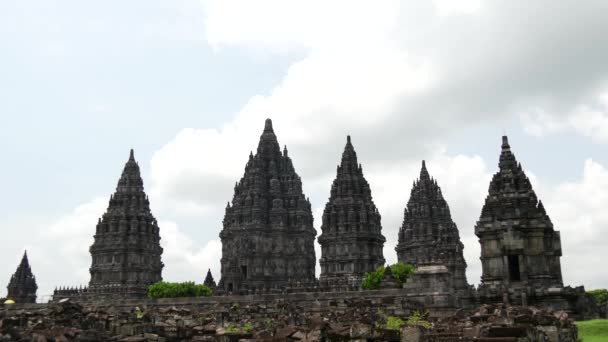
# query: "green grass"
595 330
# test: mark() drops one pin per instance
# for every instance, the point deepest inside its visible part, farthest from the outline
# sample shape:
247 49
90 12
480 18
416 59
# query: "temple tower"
519 247
126 252
351 238
428 236
209 281
268 234
22 286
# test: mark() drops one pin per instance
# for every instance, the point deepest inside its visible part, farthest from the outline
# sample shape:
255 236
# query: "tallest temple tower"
268 235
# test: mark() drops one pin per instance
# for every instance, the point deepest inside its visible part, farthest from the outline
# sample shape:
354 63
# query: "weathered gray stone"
351 239
429 236
22 286
268 235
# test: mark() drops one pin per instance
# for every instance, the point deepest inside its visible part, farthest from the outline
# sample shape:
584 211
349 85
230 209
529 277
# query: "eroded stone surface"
428 236
351 239
268 234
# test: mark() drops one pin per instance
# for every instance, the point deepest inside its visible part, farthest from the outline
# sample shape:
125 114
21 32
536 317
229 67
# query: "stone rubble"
68 321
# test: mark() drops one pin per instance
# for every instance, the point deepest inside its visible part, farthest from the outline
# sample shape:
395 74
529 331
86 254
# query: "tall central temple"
268 234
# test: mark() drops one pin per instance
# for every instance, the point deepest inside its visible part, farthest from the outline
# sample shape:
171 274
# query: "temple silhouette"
268 239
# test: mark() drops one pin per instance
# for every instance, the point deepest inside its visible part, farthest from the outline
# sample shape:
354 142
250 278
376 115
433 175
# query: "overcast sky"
188 85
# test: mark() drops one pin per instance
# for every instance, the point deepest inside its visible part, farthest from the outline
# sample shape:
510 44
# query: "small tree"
371 280
600 295
401 272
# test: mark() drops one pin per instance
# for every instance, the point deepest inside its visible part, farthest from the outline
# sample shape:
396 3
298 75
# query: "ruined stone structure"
126 252
22 286
209 281
351 239
268 235
428 236
520 250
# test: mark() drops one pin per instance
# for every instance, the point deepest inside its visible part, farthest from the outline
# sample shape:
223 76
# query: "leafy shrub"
172 290
246 328
392 323
418 318
371 280
401 272
600 295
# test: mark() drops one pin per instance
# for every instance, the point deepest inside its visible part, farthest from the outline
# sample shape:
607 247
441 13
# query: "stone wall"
352 319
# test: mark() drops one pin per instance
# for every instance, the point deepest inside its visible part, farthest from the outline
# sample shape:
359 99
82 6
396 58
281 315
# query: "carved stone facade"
351 239
126 252
268 234
428 236
519 247
22 286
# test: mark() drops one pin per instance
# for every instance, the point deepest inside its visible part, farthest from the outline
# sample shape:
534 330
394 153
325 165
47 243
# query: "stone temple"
520 250
22 286
268 234
351 239
126 252
428 238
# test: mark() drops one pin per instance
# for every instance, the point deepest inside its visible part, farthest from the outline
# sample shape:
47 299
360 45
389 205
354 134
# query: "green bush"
392 323
172 290
401 272
246 328
418 318
371 280
600 295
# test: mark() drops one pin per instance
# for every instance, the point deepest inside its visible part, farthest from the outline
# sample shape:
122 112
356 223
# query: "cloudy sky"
188 85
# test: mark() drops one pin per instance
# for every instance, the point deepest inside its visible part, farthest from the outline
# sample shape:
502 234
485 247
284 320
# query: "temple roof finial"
268 126
424 174
505 142
132 155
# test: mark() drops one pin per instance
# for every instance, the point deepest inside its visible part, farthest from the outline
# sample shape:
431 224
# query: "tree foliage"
600 295
172 290
402 271
371 280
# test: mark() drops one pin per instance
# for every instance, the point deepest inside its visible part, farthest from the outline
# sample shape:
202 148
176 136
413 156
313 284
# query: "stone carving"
519 247
268 234
351 239
126 251
22 286
428 236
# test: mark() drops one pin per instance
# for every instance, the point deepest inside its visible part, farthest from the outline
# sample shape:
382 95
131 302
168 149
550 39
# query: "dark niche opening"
514 274
229 287
244 271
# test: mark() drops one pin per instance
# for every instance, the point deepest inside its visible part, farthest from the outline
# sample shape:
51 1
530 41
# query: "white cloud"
578 211
590 120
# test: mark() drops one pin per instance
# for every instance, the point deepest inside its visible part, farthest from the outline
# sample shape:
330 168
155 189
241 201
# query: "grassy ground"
595 330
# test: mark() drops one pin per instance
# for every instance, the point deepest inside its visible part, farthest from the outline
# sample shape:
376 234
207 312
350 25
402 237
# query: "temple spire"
424 174
22 286
428 235
209 281
127 231
350 219
507 158
268 126
349 157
